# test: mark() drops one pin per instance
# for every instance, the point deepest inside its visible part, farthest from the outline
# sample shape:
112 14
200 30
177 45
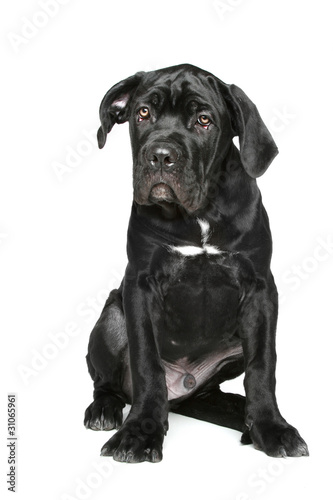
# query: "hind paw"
104 414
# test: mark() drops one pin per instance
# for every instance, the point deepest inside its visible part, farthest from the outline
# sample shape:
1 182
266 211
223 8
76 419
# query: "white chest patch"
190 250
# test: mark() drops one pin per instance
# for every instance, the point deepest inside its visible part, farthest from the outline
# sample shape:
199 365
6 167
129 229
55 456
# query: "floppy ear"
114 107
257 147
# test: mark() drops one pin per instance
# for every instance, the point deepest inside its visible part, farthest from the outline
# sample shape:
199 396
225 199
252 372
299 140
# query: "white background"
63 237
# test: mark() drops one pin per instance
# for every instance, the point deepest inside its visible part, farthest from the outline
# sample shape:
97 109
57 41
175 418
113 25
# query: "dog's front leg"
141 436
267 429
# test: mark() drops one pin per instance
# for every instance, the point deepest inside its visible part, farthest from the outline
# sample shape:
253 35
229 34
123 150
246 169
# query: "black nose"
162 156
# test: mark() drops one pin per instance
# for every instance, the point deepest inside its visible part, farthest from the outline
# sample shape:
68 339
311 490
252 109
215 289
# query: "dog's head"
182 121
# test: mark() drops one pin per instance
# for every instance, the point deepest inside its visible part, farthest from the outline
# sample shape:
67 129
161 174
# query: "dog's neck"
169 211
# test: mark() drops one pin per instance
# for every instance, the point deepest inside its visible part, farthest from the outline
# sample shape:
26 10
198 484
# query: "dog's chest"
195 250
200 286
198 290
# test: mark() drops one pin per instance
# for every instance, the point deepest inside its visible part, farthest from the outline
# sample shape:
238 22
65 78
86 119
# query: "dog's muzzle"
165 175
162 159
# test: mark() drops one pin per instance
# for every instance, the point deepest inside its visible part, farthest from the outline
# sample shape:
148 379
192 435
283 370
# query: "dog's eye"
144 113
204 121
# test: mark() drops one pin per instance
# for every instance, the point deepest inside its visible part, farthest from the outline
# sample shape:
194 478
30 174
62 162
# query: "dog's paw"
276 439
104 414
132 444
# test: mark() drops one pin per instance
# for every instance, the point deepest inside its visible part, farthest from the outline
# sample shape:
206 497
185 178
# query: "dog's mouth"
166 194
162 192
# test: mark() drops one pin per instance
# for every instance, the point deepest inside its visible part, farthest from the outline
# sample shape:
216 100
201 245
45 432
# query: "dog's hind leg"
215 406
107 361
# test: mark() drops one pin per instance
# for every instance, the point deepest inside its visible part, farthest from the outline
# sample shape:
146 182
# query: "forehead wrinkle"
182 89
178 88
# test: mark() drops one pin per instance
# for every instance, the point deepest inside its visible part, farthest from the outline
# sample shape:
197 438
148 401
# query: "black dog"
198 304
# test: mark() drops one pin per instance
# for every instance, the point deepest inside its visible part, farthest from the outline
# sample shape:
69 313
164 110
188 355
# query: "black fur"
180 325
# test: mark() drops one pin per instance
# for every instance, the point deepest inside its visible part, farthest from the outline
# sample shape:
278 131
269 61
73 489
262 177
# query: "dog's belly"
183 376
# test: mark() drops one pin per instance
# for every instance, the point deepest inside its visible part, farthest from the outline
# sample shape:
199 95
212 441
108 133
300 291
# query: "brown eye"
144 113
204 120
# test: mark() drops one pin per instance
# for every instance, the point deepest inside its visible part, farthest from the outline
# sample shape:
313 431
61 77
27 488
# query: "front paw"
135 443
276 439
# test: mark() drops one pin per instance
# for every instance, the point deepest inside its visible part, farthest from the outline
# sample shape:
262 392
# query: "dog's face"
180 130
182 120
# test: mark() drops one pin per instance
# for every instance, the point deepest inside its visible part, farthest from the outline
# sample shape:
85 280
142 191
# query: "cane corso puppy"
198 304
